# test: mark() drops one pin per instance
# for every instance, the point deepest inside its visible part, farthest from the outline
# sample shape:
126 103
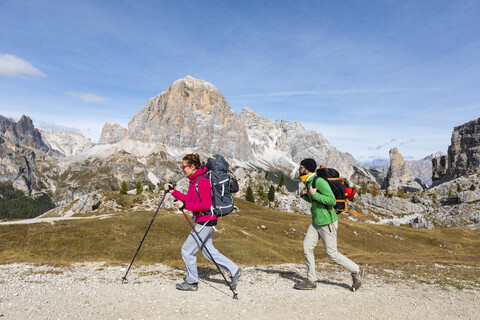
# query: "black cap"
309 164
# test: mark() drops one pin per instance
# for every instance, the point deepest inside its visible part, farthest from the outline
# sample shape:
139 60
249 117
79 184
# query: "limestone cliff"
112 133
399 176
24 132
193 114
463 155
17 165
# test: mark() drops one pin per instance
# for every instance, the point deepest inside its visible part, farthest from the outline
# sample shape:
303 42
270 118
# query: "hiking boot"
357 279
305 285
184 286
235 279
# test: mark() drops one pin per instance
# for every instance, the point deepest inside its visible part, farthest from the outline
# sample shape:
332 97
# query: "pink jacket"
192 202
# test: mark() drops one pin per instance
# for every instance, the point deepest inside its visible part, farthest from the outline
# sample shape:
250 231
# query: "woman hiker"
199 203
324 225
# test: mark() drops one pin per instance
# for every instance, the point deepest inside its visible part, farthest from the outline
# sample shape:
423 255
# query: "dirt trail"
93 291
53 219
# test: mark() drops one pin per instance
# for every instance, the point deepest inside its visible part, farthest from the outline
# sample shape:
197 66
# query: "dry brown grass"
253 236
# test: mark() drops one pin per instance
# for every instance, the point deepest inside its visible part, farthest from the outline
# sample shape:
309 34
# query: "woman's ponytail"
194 159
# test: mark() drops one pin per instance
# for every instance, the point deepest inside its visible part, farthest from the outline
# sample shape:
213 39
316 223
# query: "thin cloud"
87 97
14 67
407 142
49 126
332 92
376 148
391 143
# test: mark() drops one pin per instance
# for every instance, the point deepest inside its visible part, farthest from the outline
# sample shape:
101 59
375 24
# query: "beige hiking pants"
328 234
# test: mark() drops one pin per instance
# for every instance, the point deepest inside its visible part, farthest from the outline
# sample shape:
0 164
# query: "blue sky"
368 75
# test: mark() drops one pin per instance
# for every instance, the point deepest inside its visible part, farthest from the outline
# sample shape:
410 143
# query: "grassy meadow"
253 236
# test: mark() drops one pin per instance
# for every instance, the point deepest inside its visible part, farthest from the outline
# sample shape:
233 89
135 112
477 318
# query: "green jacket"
324 201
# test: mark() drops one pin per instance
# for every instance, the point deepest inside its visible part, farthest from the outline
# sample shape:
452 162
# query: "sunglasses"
184 166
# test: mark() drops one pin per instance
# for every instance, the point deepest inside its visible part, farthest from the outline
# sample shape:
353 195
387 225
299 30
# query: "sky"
368 75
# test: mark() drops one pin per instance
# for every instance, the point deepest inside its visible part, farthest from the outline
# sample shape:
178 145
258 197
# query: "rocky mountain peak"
25 133
399 175
255 121
198 94
17 165
463 155
25 125
192 114
112 133
397 164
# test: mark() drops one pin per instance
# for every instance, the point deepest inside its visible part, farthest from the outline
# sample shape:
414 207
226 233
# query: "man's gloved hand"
312 191
303 192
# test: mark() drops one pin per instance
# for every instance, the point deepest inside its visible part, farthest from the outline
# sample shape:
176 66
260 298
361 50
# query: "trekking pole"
235 296
124 279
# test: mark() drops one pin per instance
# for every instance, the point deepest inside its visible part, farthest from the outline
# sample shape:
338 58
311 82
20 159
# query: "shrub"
401 194
249 195
271 193
261 193
160 186
375 190
139 187
363 188
281 183
123 188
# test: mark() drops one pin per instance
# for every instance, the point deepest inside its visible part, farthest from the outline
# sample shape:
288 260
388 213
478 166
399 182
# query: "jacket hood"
200 172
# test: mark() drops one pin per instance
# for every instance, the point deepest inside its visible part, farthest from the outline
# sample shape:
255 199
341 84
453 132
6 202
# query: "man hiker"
324 225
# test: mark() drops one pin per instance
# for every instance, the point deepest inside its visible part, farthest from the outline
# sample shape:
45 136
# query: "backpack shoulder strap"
314 182
198 193
196 187
314 185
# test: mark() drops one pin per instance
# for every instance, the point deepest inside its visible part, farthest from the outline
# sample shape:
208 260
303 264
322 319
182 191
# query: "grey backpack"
223 185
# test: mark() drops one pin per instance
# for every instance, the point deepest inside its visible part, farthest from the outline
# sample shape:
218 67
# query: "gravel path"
93 291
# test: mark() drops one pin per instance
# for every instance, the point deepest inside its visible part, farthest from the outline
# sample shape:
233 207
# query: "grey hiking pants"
191 247
328 234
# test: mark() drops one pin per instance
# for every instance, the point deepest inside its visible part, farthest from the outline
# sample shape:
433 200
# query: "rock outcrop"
87 203
421 222
17 165
463 155
422 169
399 176
439 169
112 133
25 133
192 114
